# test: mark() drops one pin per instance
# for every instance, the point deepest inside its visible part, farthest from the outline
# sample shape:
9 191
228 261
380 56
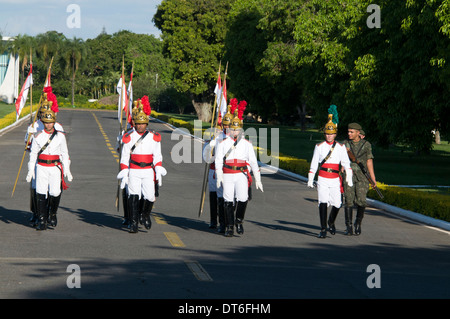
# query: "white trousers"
212 183
235 186
141 182
48 179
329 191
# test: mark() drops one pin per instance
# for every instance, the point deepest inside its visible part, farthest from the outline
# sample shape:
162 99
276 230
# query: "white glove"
311 180
259 186
349 177
69 176
212 143
219 178
123 175
30 176
160 171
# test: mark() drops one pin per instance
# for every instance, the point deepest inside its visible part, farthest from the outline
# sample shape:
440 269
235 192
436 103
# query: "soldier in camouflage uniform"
356 194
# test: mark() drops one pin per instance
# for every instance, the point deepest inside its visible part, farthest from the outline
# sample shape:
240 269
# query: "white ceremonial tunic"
210 158
329 182
49 175
37 126
141 162
235 182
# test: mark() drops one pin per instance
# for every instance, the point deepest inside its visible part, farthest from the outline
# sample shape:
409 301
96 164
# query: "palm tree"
74 53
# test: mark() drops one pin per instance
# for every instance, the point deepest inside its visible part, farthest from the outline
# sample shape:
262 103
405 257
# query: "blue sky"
77 18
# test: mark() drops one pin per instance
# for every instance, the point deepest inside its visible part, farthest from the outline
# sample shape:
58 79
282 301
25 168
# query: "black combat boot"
53 204
240 213
126 217
221 208
34 216
42 211
133 210
146 210
229 219
213 210
358 219
333 214
348 220
323 220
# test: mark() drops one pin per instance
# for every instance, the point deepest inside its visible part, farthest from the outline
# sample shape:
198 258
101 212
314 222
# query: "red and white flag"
221 96
22 98
123 99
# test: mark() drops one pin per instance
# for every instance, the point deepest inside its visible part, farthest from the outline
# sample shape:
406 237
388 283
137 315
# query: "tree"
74 53
193 32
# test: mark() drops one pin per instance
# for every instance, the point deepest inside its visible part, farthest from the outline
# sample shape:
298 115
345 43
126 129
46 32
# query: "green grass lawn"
393 166
6 108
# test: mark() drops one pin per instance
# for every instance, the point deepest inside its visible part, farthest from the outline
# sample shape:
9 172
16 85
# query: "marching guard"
234 155
49 163
49 102
327 158
216 202
141 167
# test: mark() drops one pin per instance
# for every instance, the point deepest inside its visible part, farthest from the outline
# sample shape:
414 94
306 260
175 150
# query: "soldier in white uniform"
216 202
141 167
49 103
234 155
327 157
49 163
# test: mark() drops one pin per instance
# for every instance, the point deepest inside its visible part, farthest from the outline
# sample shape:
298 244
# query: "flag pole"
31 89
122 92
29 135
205 173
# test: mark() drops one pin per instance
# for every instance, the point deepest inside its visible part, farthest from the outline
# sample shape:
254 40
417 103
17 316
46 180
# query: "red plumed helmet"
241 108
51 98
234 105
146 105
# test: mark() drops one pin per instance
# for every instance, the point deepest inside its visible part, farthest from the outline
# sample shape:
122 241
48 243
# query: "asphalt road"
278 257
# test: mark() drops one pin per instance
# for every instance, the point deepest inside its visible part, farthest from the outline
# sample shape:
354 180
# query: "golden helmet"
236 122
48 116
140 117
45 105
330 127
227 117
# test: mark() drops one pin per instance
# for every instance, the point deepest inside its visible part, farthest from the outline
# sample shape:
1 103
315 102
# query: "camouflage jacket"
362 151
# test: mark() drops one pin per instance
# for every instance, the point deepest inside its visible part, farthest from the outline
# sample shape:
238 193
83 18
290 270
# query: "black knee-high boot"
221 209
240 213
34 216
42 211
229 219
146 210
213 210
53 204
348 220
333 214
323 220
358 219
126 217
133 210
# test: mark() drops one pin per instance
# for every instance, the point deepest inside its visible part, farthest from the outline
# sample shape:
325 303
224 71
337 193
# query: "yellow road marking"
174 239
113 151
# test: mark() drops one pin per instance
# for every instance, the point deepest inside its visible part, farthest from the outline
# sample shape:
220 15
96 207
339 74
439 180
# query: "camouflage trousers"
357 194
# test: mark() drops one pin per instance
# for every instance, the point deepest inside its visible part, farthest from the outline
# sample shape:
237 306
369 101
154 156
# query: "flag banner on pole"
48 81
123 100
221 96
130 97
22 98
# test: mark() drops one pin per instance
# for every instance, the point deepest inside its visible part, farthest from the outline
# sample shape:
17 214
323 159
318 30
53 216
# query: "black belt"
141 164
329 170
236 168
57 161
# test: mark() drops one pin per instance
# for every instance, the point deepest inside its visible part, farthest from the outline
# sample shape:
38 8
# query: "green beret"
362 132
354 126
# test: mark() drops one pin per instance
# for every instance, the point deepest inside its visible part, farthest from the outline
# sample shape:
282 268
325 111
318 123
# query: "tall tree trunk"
203 110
